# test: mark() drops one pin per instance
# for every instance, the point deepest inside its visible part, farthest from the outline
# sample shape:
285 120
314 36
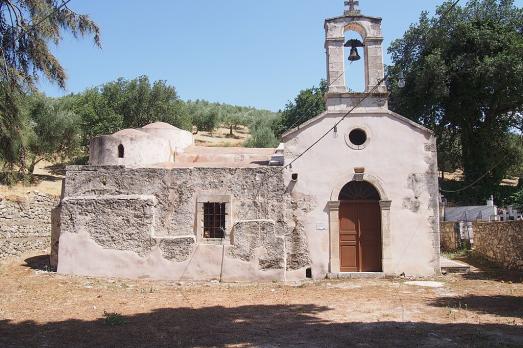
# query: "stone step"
356 275
451 266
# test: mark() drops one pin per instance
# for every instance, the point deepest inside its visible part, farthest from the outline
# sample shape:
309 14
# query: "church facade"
352 191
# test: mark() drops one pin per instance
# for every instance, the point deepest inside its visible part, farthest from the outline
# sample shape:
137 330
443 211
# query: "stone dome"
133 133
159 125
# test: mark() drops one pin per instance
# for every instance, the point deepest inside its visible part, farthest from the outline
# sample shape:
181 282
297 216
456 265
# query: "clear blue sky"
244 52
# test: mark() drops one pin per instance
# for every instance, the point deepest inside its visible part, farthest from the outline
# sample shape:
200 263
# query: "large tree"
129 104
27 27
53 130
464 79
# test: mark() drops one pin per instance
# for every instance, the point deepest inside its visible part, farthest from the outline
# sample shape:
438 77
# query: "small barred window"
214 220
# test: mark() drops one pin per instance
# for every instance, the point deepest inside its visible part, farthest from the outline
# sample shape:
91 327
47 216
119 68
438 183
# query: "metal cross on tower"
352 7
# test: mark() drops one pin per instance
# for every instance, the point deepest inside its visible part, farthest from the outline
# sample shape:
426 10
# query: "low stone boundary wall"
450 238
25 223
500 242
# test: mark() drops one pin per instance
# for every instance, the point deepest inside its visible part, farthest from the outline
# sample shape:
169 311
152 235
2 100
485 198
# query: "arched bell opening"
360 237
355 60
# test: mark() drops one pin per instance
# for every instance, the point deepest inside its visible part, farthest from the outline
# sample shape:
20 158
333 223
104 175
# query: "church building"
352 192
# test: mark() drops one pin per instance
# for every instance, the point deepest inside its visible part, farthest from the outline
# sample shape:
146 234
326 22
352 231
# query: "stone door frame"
333 208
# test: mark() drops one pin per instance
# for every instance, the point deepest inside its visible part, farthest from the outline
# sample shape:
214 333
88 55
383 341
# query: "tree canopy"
27 27
129 104
464 80
308 103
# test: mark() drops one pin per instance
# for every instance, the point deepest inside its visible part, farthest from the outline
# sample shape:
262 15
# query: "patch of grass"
453 255
11 178
113 319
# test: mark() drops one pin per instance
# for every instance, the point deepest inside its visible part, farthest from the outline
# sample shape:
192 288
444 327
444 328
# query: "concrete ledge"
451 266
356 275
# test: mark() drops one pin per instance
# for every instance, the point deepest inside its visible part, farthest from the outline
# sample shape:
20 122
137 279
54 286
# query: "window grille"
214 220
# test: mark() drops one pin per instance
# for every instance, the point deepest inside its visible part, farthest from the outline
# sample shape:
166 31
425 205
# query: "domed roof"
160 125
130 133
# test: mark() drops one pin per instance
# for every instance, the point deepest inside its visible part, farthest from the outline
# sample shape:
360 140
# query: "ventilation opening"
308 273
121 151
358 137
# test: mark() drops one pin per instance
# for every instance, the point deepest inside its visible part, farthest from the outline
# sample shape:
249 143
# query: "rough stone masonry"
149 217
25 223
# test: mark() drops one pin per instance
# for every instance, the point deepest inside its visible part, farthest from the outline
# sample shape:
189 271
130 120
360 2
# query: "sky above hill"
243 52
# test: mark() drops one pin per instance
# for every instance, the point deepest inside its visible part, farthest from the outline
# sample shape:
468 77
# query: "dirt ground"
45 309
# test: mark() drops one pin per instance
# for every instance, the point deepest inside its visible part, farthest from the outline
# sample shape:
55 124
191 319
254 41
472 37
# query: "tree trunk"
23 160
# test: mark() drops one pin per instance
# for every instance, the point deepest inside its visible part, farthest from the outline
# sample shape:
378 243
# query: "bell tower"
369 28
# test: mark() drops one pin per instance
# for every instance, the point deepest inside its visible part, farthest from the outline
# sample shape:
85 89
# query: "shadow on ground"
504 306
489 271
56 169
260 326
39 263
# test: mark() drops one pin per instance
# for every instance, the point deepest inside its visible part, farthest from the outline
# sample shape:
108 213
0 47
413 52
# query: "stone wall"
450 238
25 223
125 222
500 242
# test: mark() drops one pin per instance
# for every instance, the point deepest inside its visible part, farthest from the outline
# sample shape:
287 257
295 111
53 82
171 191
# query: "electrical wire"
366 96
478 179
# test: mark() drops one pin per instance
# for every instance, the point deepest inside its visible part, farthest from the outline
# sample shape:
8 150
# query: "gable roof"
394 115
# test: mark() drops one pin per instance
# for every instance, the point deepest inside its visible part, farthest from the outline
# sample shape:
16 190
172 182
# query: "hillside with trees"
59 129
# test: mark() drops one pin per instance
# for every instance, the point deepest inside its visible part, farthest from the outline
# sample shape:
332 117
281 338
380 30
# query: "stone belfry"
369 28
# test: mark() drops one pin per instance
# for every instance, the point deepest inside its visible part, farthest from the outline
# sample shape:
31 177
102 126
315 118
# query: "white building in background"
155 143
485 213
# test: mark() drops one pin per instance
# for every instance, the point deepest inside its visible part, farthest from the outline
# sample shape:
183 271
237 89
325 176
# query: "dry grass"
39 308
221 137
48 181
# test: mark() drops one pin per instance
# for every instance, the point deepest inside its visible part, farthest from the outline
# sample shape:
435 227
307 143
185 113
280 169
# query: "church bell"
354 44
354 55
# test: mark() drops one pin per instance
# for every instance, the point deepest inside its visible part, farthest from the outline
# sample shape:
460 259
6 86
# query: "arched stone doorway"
360 242
340 191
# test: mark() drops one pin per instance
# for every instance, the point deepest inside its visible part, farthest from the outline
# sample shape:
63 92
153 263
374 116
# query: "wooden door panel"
349 244
348 217
349 258
370 236
360 237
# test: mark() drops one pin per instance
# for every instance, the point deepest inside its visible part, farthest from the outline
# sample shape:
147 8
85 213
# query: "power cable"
367 95
481 177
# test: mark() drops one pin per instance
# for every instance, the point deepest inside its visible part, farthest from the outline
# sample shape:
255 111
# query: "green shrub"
113 319
262 137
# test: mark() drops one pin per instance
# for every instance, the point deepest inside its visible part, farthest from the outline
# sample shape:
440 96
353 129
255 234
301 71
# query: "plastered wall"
143 223
400 157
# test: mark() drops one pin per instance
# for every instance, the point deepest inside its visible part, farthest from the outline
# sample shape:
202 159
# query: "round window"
358 137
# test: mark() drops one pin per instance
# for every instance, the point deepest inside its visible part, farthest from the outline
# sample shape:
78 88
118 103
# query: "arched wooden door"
360 228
